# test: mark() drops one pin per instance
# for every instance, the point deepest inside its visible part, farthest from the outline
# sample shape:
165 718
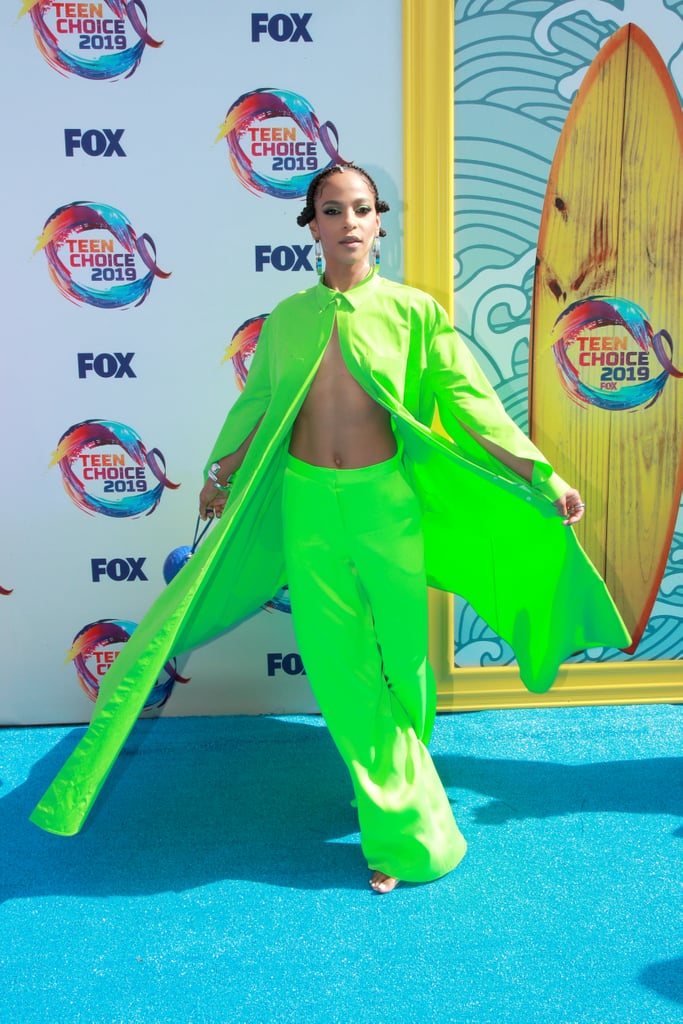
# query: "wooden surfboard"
606 406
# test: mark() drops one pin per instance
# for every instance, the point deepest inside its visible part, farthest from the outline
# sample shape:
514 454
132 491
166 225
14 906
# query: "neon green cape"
489 536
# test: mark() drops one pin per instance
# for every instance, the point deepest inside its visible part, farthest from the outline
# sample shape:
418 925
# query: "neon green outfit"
487 534
355 566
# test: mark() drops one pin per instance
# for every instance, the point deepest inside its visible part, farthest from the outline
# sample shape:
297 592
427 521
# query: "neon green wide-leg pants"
355 568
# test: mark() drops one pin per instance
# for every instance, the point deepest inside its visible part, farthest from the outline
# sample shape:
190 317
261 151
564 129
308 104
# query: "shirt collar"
351 299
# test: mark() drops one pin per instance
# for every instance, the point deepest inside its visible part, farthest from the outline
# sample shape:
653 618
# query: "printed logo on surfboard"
609 356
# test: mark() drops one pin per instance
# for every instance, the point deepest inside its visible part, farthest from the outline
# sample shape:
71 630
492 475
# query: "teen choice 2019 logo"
609 356
106 469
282 157
280 602
95 257
242 347
98 41
96 647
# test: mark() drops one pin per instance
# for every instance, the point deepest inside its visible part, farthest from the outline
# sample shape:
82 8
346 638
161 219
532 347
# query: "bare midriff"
339 426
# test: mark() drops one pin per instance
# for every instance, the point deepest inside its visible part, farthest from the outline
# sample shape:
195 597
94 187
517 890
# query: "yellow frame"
428 164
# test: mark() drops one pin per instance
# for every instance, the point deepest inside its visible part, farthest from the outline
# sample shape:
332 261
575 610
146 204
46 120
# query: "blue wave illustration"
517 68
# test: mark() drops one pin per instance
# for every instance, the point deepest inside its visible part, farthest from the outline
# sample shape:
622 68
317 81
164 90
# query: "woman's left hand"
571 507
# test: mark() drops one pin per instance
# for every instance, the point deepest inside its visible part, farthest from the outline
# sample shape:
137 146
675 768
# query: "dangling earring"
318 257
375 252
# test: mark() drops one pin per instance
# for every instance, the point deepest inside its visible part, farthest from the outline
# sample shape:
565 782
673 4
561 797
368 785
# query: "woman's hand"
571 507
211 501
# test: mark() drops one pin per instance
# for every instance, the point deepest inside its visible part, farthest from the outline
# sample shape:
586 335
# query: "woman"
343 491
353 526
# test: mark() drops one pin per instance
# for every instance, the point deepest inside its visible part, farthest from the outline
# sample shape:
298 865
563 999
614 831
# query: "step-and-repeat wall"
155 160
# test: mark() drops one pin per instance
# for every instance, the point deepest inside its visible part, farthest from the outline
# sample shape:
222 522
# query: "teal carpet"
219 879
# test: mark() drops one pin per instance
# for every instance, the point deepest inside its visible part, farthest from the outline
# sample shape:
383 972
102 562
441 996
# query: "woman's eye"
331 211
363 209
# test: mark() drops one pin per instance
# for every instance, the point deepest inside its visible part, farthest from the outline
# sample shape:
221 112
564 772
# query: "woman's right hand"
211 501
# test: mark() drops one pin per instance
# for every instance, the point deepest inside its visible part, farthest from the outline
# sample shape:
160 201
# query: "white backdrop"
98 116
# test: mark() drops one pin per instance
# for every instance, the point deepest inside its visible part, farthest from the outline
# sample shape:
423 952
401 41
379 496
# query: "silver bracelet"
215 467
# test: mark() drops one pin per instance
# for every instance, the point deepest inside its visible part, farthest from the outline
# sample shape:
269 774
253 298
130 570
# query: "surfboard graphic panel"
605 403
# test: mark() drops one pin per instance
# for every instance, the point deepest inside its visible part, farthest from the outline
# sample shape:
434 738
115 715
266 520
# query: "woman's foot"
383 883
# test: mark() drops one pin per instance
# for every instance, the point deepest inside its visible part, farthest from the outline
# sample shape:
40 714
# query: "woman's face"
345 221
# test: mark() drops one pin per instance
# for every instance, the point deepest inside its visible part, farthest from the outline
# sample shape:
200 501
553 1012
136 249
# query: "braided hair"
308 212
